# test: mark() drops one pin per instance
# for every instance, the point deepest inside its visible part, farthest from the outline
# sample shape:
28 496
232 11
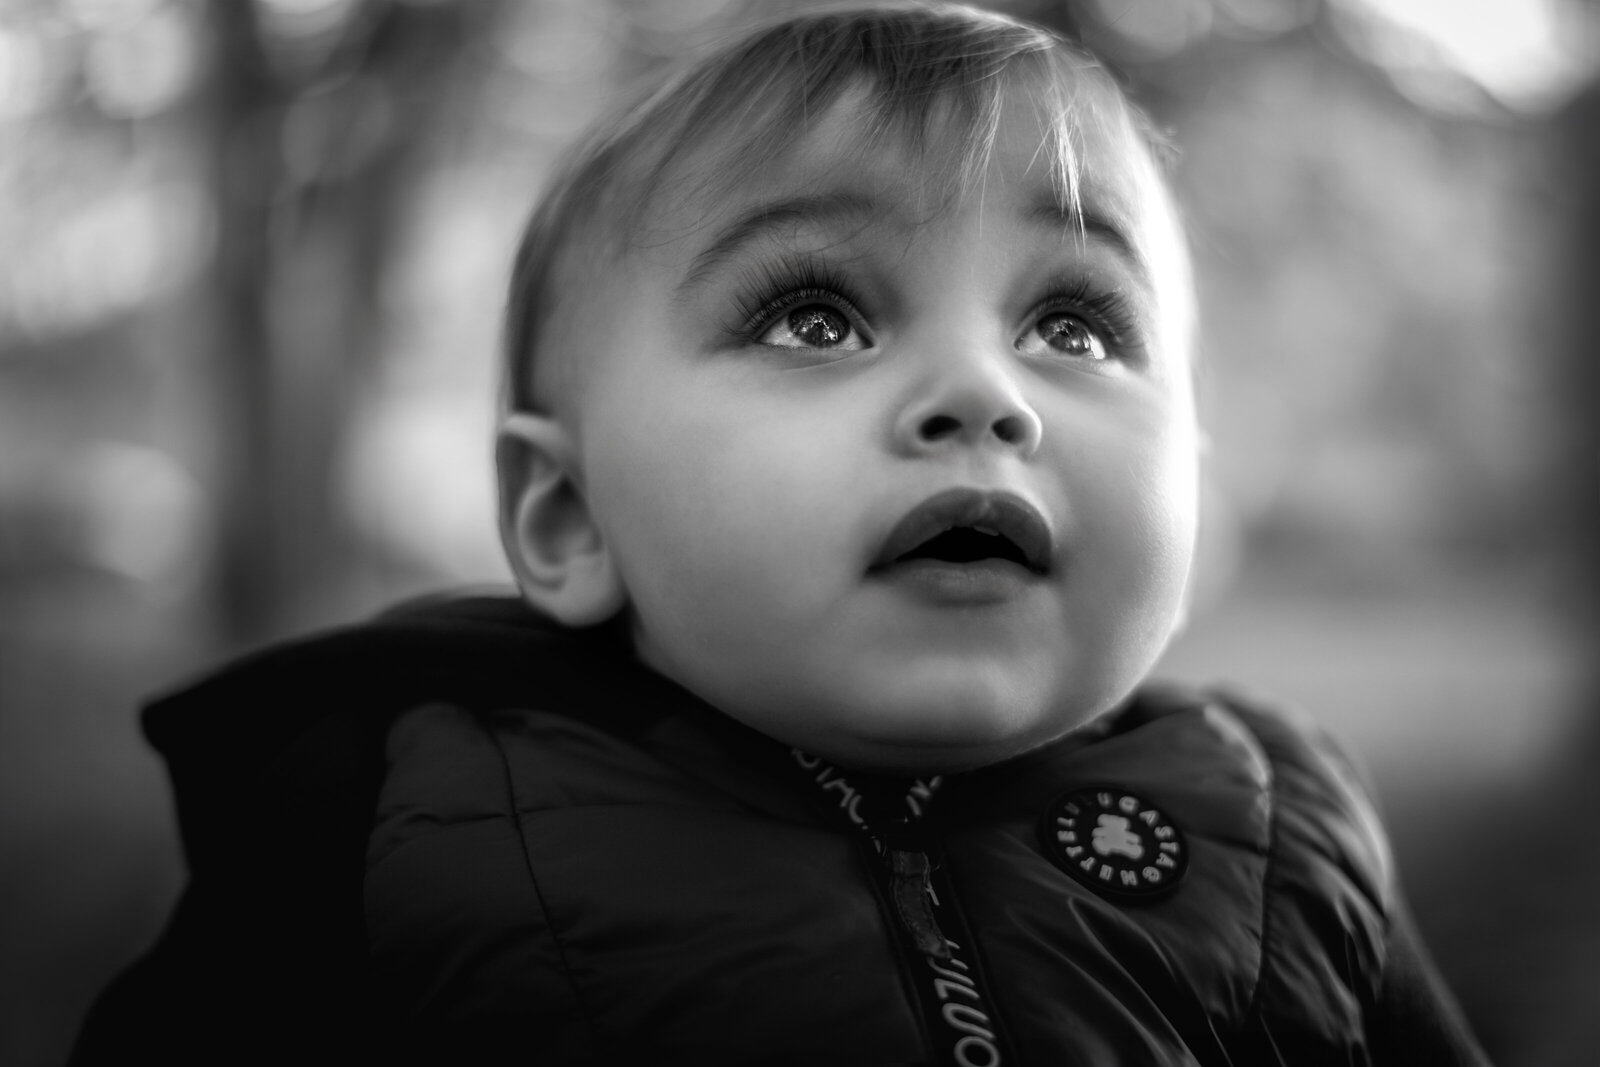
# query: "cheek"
718 522
1166 522
1137 498
664 515
1161 494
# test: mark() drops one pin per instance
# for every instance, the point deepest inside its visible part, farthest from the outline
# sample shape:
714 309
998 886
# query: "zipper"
911 891
961 1026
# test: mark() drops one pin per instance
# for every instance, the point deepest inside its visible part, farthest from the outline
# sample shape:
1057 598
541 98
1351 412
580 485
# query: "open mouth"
967 544
966 526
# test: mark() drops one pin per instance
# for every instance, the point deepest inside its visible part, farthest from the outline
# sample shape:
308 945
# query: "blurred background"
252 255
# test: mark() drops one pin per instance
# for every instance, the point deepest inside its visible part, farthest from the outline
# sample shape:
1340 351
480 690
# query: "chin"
950 731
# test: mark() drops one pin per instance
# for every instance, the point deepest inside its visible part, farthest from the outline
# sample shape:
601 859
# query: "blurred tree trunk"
311 152
1578 134
241 100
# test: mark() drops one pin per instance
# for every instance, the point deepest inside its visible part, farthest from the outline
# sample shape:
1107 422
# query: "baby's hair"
935 75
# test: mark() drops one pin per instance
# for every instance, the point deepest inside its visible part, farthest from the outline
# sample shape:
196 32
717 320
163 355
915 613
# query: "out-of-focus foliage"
1366 179
253 259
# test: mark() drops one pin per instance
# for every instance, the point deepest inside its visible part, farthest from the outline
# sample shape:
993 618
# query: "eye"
812 326
801 305
1063 333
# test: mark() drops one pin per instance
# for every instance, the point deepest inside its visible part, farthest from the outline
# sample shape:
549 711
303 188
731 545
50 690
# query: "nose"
967 400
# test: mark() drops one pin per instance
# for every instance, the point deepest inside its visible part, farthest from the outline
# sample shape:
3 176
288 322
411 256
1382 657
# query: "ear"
555 548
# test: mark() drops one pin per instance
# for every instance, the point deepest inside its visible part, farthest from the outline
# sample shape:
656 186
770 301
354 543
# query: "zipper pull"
911 887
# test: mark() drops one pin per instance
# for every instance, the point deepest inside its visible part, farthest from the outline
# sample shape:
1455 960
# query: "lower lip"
990 581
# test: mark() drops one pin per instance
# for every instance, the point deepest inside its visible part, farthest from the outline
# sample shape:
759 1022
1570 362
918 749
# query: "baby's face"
909 488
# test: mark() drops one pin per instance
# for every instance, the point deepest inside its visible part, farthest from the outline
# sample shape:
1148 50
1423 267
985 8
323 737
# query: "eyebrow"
822 209
832 208
1090 222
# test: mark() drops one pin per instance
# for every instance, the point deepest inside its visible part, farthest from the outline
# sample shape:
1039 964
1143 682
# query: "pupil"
1065 332
818 327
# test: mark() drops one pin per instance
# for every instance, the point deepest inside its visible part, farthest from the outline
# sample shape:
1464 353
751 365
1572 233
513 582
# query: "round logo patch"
1114 841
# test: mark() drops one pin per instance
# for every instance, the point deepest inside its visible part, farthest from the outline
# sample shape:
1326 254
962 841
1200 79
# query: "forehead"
1078 166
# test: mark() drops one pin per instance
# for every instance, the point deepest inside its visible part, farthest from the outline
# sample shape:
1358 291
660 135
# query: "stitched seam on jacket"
538 894
1268 874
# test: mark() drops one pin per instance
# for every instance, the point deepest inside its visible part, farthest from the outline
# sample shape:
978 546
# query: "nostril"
936 427
1011 429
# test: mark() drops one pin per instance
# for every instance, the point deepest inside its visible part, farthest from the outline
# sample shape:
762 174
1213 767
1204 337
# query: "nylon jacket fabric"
460 834
658 904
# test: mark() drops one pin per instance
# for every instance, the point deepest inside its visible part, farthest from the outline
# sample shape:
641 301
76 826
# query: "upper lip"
999 513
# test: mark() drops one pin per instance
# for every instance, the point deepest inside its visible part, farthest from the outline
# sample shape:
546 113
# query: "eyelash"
788 284
1109 312
794 282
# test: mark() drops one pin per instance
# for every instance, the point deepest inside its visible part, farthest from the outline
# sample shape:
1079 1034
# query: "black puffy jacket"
459 835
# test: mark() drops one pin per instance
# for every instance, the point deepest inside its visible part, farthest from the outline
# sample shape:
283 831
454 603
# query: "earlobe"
556 550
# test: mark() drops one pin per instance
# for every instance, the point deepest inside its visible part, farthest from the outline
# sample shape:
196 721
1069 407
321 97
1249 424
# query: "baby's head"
851 367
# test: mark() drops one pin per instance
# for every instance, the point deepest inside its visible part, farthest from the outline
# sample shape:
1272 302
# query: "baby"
848 476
